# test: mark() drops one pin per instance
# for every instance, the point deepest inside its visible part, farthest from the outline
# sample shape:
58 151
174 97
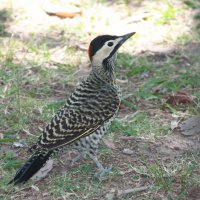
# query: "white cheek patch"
101 55
104 52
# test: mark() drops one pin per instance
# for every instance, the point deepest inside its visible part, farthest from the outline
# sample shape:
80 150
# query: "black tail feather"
34 164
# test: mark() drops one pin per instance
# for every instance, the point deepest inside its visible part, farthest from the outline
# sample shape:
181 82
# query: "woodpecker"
81 123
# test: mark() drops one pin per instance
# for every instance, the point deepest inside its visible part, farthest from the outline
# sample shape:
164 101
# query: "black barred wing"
85 111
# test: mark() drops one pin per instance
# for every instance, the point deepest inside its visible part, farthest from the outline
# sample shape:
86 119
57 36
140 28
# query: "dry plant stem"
121 193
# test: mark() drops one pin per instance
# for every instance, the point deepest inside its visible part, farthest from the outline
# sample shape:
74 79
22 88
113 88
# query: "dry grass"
43 58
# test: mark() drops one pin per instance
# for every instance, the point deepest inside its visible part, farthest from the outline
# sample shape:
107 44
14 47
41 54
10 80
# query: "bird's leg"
102 171
77 158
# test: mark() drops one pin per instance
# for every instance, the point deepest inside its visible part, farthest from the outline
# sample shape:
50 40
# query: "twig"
129 116
127 138
136 138
121 193
122 81
21 189
27 132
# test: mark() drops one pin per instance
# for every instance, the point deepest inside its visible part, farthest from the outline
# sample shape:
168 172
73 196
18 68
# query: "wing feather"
85 114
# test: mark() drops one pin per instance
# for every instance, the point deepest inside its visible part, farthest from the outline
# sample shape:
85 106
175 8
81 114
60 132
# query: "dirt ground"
163 163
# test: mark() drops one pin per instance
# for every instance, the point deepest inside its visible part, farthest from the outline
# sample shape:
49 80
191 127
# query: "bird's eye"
110 44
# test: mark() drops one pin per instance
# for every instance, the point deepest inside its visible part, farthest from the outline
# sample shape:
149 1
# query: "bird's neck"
105 70
105 73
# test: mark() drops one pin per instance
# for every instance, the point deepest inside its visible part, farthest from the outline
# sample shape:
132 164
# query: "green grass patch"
134 65
158 174
167 14
166 175
33 86
164 79
66 183
140 124
75 181
8 161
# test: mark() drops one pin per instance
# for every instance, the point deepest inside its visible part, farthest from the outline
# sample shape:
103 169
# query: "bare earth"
147 160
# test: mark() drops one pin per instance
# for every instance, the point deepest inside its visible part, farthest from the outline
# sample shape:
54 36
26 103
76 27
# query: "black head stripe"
99 41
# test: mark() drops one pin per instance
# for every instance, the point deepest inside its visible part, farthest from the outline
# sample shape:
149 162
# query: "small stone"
45 194
1 136
174 124
127 151
20 145
191 126
37 111
35 188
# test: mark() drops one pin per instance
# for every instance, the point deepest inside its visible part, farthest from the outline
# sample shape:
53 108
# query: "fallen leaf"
179 98
191 126
174 124
68 12
43 171
63 15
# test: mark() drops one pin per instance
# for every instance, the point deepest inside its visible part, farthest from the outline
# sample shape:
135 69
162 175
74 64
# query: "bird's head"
103 48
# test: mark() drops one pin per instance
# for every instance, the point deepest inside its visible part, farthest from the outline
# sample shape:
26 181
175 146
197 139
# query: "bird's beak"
125 37
122 39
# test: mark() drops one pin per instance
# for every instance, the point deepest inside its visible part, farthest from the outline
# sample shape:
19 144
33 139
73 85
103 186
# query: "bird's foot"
103 172
76 159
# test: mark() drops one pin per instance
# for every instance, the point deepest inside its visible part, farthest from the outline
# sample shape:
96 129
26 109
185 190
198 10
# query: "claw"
102 171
